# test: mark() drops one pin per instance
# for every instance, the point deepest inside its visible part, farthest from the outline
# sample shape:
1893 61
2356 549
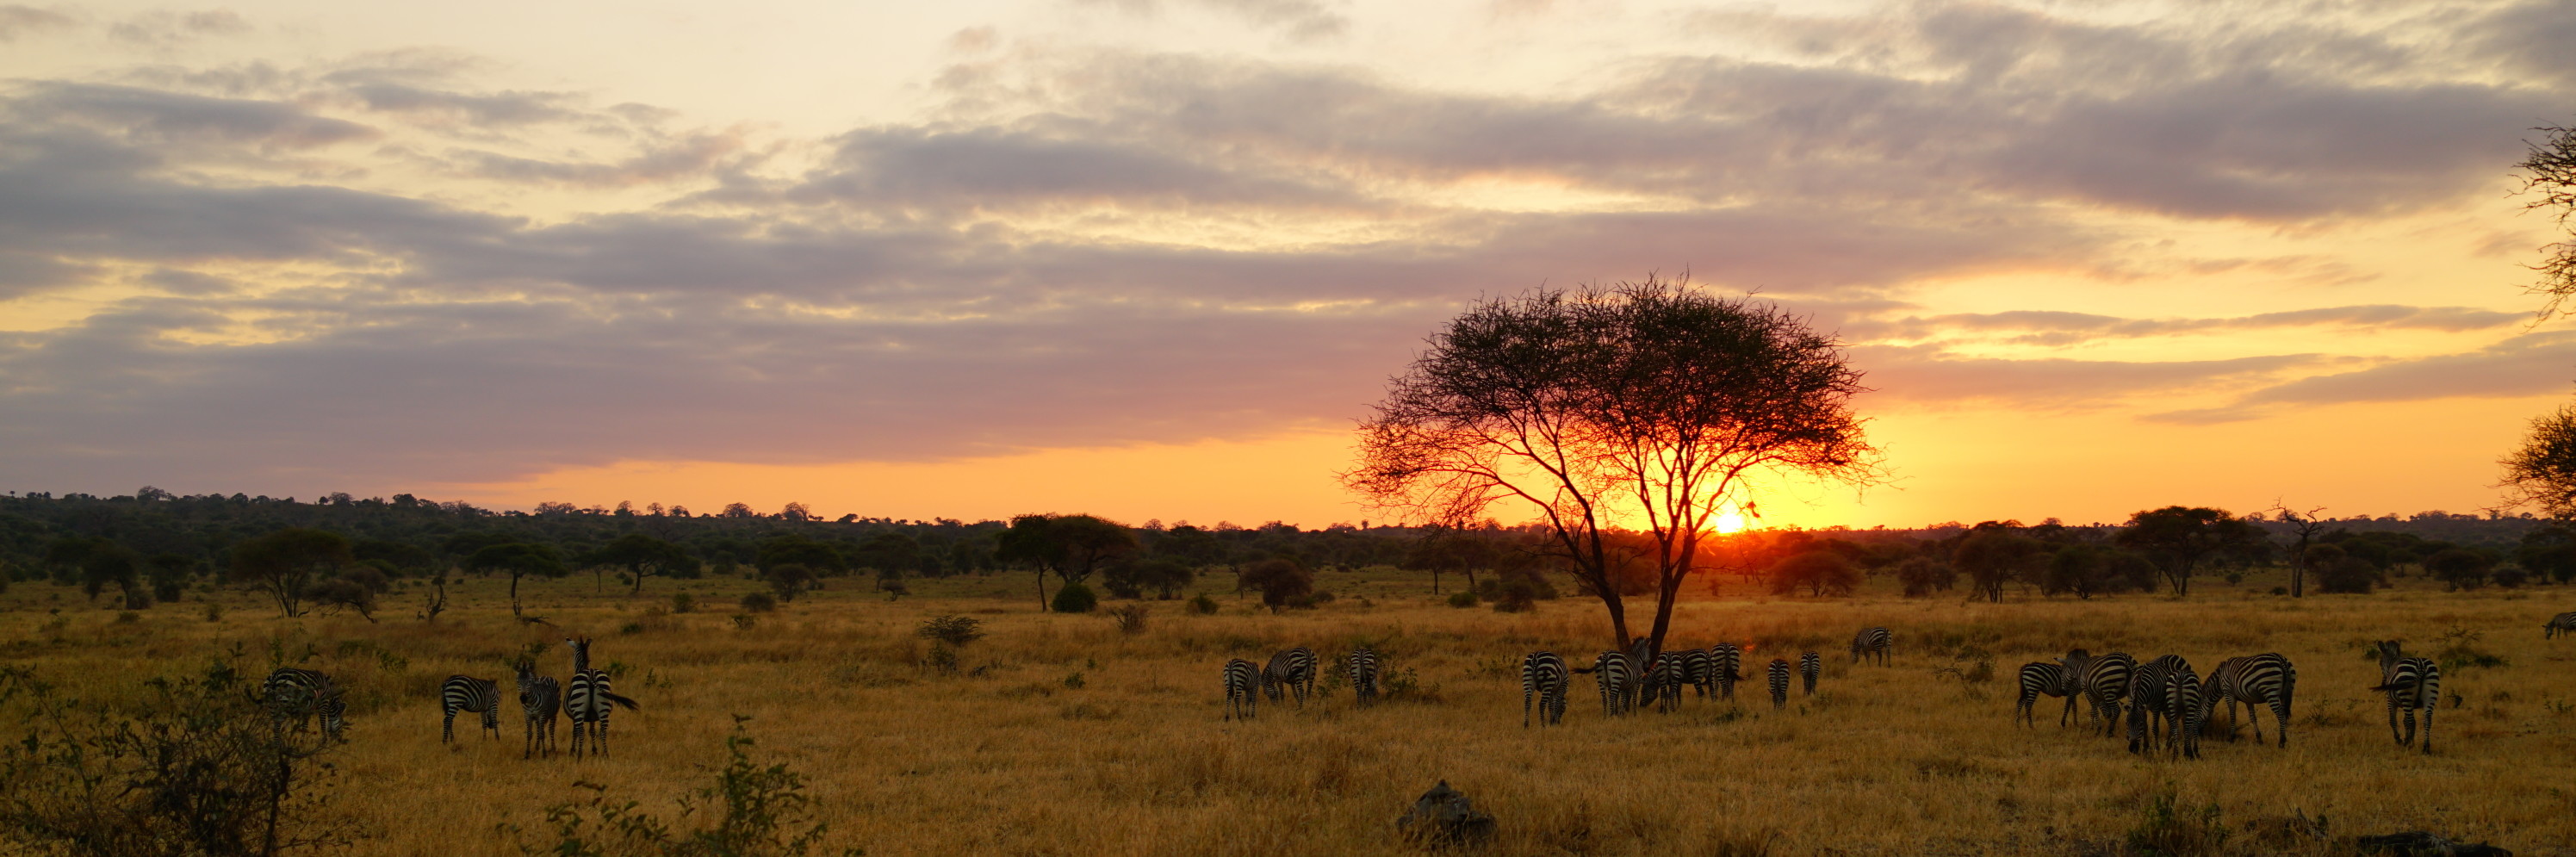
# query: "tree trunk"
1042 604
514 596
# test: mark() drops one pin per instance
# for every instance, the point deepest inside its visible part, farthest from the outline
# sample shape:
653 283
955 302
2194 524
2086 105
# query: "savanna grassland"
1060 734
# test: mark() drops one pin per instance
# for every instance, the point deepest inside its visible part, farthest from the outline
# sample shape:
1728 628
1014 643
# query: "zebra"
1240 700
2150 687
1363 667
469 694
2410 683
1292 670
2105 681
1810 665
1873 642
1543 675
1779 683
304 695
2261 680
2186 710
2563 623
1726 664
1699 670
587 702
1664 680
539 698
2043 677
1617 681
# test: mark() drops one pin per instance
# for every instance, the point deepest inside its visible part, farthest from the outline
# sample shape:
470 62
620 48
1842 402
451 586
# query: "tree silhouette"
2542 471
640 556
2179 540
1993 555
2306 525
2549 171
1650 407
518 560
1071 546
285 564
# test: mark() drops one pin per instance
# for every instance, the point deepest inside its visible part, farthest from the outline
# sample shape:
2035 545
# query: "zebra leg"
2281 715
2428 728
599 737
447 729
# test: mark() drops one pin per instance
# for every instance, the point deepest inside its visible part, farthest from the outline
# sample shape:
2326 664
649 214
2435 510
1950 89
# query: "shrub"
1819 572
745 621
214 612
1074 598
1462 599
790 580
2509 576
682 603
750 810
2459 568
2171 830
2345 574
1279 581
759 602
1130 618
951 629
1923 575
1203 605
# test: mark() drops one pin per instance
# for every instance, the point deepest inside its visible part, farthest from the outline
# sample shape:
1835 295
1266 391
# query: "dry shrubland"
1061 734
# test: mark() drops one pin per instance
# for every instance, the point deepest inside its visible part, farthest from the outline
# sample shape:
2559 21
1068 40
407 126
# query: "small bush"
759 602
682 603
2171 830
952 630
128 617
1130 618
750 810
214 612
1462 599
1074 598
1203 605
745 621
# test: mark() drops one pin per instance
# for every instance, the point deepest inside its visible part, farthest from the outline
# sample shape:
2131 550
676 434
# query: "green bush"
682 603
1462 599
950 629
1075 598
1203 605
759 602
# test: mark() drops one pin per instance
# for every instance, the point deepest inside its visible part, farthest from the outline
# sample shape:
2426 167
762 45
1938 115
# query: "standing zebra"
2042 677
1809 666
1699 671
1779 683
2104 680
1612 674
2410 683
539 698
1664 680
1543 675
2563 623
1726 665
587 702
2262 680
2150 687
304 695
1363 667
469 694
1240 700
2186 711
1873 642
1293 670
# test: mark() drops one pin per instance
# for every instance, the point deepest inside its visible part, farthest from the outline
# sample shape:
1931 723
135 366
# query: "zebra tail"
629 703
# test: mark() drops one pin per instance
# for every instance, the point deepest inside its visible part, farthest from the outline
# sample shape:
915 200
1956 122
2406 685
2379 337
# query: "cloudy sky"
1150 258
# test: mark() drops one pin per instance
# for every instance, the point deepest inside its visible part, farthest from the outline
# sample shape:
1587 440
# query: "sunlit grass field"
1059 734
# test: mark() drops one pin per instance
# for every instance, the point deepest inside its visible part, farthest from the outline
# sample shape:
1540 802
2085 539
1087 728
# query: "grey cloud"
163 29
480 109
26 273
1923 374
661 160
2533 38
1302 20
2038 327
158 116
17 20
2528 365
184 282
988 165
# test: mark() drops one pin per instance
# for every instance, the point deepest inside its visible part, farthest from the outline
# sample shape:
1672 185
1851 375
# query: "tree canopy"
2181 540
285 564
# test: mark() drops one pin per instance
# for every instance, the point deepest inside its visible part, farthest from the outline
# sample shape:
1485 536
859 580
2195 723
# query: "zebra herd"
1624 686
2166 698
1293 671
301 695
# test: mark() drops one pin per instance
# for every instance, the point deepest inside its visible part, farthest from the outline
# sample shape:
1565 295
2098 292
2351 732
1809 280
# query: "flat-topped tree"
518 560
1650 407
285 564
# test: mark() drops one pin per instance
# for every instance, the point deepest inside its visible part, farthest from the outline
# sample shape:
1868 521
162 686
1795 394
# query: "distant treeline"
152 545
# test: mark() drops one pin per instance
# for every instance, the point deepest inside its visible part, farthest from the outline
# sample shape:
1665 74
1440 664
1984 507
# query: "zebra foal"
1875 643
304 695
469 694
539 698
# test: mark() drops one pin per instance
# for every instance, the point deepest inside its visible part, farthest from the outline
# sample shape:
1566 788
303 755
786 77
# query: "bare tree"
2550 172
2306 525
2542 471
1646 407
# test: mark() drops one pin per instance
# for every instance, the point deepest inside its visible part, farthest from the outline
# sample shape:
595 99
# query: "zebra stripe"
1699 671
1613 675
1810 665
304 695
2042 677
587 700
2149 690
2563 623
1871 642
2411 684
1293 669
2104 680
1363 668
1240 698
539 698
1543 675
2266 679
1779 683
1726 666
469 694
1664 680
2186 711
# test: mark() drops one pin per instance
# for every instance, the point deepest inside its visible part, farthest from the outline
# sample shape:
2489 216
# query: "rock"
1442 818
2417 843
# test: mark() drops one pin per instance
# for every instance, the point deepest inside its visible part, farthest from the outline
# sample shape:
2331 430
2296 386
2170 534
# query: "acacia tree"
2306 525
641 556
518 560
1650 407
285 564
1071 546
2542 471
2549 171
2180 539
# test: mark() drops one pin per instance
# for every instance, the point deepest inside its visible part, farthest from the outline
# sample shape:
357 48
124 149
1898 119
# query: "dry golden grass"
1896 760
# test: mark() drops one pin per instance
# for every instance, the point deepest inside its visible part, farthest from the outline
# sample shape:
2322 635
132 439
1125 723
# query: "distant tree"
737 510
2541 473
1819 572
891 554
2127 571
2460 568
1279 581
1922 575
2549 171
642 556
817 557
288 562
2305 525
400 556
796 512
1993 555
2181 540
1648 407
518 560
789 580
346 593
1070 546
2339 572
2077 570
1130 577
2549 552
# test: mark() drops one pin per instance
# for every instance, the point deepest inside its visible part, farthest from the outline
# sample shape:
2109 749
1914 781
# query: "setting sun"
1730 521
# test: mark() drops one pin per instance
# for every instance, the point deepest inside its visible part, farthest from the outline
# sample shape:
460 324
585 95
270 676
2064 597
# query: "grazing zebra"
2186 711
2563 623
469 694
1240 700
2150 687
1617 680
1726 665
539 698
1293 670
1809 666
2042 677
1699 670
1543 675
587 701
1664 680
2104 680
1873 642
1363 667
2261 680
2411 683
304 695
1779 683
